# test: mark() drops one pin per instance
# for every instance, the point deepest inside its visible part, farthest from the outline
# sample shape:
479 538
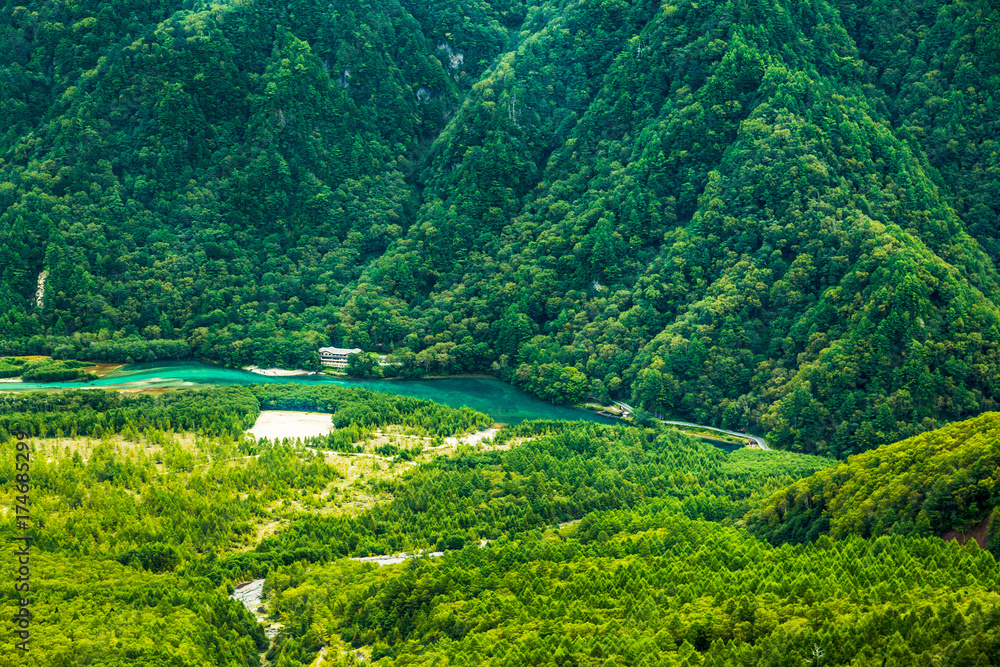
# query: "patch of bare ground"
980 532
150 391
352 502
267 529
102 369
473 438
279 424
433 447
562 531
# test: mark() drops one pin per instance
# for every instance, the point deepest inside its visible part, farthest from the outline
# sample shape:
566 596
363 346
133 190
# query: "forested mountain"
930 484
780 217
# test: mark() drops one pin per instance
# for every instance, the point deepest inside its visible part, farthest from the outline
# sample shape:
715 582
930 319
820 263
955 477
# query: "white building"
336 357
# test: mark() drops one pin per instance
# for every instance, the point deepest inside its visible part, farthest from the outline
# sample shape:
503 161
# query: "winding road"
758 441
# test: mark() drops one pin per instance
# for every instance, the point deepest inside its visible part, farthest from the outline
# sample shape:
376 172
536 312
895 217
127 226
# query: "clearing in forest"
278 424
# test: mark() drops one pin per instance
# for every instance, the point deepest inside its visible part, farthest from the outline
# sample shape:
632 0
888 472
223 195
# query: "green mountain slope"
930 484
183 168
726 242
773 217
670 592
939 63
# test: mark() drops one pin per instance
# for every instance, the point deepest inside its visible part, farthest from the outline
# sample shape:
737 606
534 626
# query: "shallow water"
503 402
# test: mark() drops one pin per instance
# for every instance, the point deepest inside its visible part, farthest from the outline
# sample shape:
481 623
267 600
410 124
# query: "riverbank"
505 403
278 372
610 411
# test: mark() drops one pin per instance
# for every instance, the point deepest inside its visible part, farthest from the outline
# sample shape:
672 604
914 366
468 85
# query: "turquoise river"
506 404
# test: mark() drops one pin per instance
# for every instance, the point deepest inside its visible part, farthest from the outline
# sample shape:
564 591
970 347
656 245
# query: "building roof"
339 350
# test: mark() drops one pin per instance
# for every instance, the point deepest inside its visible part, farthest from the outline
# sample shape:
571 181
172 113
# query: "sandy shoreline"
278 372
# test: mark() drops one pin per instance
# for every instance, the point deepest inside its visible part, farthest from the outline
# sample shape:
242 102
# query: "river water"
503 402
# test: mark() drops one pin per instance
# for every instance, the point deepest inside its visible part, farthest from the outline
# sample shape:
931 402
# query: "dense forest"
655 591
777 217
141 506
946 480
564 543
